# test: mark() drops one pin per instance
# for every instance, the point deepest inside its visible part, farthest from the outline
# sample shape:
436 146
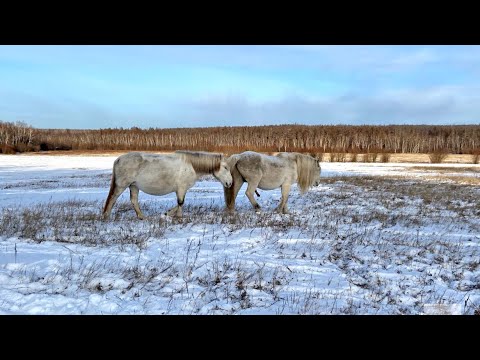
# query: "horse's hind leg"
282 207
177 210
134 199
172 211
118 190
252 186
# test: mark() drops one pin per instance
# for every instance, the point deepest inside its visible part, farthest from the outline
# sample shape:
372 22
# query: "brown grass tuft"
437 157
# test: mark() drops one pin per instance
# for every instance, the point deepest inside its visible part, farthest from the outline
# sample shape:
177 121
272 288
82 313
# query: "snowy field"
370 239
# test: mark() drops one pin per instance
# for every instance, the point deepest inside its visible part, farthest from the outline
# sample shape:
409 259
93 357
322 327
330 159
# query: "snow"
370 239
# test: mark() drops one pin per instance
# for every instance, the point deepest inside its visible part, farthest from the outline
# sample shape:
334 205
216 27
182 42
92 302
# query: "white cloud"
240 85
417 58
436 105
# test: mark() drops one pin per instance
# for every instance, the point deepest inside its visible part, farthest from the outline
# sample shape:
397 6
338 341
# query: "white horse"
271 172
161 174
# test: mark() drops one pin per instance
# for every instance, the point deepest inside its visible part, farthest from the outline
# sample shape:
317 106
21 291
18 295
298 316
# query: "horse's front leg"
232 192
282 207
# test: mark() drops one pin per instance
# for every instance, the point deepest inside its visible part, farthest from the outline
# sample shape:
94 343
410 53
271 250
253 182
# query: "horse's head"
223 174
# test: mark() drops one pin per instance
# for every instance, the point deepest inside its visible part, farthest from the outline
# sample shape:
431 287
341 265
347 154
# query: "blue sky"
190 86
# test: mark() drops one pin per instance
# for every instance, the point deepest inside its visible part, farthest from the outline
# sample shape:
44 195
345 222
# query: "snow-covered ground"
371 239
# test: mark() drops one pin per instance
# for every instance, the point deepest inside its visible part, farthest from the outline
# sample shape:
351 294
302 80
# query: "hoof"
173 214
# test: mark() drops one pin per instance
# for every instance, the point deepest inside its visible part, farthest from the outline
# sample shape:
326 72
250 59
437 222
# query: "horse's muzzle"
228 184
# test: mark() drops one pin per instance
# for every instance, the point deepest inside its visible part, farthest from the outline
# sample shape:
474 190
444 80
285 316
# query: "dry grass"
360 226
392 158
465 180
316 155
338 157
445 174
437 157
370 157
87 152
385 157
80 221
410 158
423 158
443 169
475 159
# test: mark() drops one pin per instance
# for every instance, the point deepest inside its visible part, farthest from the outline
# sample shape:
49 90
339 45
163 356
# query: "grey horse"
271 172
161 174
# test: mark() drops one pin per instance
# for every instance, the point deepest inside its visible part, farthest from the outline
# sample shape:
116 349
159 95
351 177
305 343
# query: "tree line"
454 139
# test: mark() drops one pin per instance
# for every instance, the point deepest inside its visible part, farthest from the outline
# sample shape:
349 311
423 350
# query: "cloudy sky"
189 86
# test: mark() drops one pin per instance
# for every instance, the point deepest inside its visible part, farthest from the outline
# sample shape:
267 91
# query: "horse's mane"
306 170
202 162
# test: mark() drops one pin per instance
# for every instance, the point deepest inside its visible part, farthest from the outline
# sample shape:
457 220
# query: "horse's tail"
236 177
110 193
305 171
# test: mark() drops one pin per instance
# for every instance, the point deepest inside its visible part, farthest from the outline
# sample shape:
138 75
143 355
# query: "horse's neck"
203 166
201 171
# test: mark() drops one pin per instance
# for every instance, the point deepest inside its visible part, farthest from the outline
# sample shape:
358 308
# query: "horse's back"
286 156
144 160
128 157
264 162
155 174
269 171
250 157
134 164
